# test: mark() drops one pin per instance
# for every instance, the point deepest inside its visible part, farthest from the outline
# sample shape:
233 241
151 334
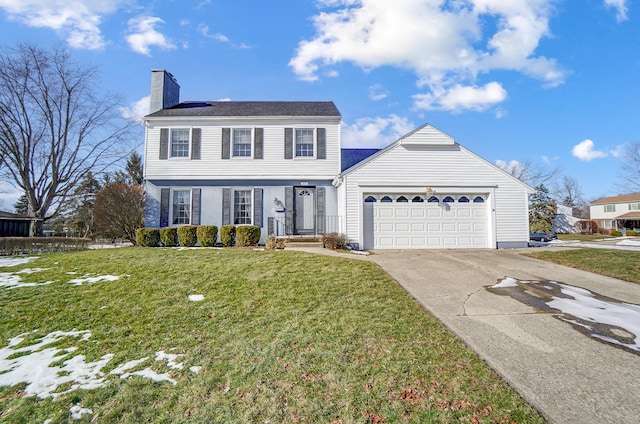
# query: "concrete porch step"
294 244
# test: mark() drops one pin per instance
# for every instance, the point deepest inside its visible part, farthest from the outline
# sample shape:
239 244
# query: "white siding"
447 169
273 166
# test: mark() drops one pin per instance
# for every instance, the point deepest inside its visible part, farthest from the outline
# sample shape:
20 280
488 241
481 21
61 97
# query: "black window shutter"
258 143
288 143
288 214
322 143
195 206
226 206
164 143
226 143
257 207
196 136
164 207
320 208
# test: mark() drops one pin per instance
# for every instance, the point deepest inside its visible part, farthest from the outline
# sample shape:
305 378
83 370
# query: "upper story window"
242 207
181 205
634 206
180 143
242 142
609 208
304 142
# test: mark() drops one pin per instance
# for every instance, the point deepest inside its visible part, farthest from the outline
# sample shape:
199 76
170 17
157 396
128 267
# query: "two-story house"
617 212
280 166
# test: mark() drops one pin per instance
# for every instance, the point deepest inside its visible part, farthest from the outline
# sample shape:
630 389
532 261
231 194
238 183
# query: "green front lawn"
279 336
582 237
622 264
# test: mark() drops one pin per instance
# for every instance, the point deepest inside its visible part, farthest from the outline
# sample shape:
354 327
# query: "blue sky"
553 83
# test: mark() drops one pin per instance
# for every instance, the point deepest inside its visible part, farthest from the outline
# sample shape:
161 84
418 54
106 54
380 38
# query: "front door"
304 210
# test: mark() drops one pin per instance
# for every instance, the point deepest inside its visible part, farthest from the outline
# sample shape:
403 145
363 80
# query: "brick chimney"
165 91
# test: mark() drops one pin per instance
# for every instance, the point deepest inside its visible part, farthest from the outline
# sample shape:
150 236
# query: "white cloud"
621 8
137 110
143 34
377 92
458 98
77 20
585 151
204 30
446 44
9 195
375 132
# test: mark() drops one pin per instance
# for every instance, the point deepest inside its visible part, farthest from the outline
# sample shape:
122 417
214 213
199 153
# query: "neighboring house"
280 166
617 212
12 225
564 221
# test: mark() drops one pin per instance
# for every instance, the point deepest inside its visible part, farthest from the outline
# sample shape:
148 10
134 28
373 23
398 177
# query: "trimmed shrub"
616 233
148 237
187 235
247 235
631 233
274 243
169 236
207 235
334 241
227 235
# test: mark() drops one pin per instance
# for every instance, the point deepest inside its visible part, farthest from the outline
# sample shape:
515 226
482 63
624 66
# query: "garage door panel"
433 227
418 227
403 226
423 225
449 227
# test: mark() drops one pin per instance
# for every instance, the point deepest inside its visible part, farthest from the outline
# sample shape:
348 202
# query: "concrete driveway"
568 376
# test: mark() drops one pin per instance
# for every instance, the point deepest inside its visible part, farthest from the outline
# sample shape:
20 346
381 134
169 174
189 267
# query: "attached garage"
415 221
425 191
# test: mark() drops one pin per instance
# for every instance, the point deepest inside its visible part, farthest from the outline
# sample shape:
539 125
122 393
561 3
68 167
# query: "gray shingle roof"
327 109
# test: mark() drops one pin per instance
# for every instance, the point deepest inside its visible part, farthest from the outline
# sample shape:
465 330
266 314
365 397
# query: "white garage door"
403 221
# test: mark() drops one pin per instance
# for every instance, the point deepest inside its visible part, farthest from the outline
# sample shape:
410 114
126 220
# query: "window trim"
233 204
172 205
609 208
251 143
314 142
189 141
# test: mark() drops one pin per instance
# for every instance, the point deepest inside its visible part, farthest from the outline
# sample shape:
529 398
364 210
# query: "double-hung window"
634 206
242 207
609 208
304 142
180 143
181 206
242 142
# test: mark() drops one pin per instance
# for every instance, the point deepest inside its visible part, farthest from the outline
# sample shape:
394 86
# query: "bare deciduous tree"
568 192
530 173
631 169
118 210
53 127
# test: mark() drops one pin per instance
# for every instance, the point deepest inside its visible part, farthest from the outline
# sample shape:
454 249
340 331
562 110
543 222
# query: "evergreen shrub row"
206 235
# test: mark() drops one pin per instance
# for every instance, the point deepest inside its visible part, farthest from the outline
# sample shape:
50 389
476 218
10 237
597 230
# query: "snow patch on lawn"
34 366
12 280
77 412
13 261
196 297
90 280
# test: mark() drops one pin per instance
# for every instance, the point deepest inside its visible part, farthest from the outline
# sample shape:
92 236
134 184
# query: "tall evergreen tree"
21 207
541 210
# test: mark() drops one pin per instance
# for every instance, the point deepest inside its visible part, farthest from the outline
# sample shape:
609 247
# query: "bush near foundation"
273 243
227 235
169 236
334 241
631 233
616 233
247 235
148 237
187 235
207 235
